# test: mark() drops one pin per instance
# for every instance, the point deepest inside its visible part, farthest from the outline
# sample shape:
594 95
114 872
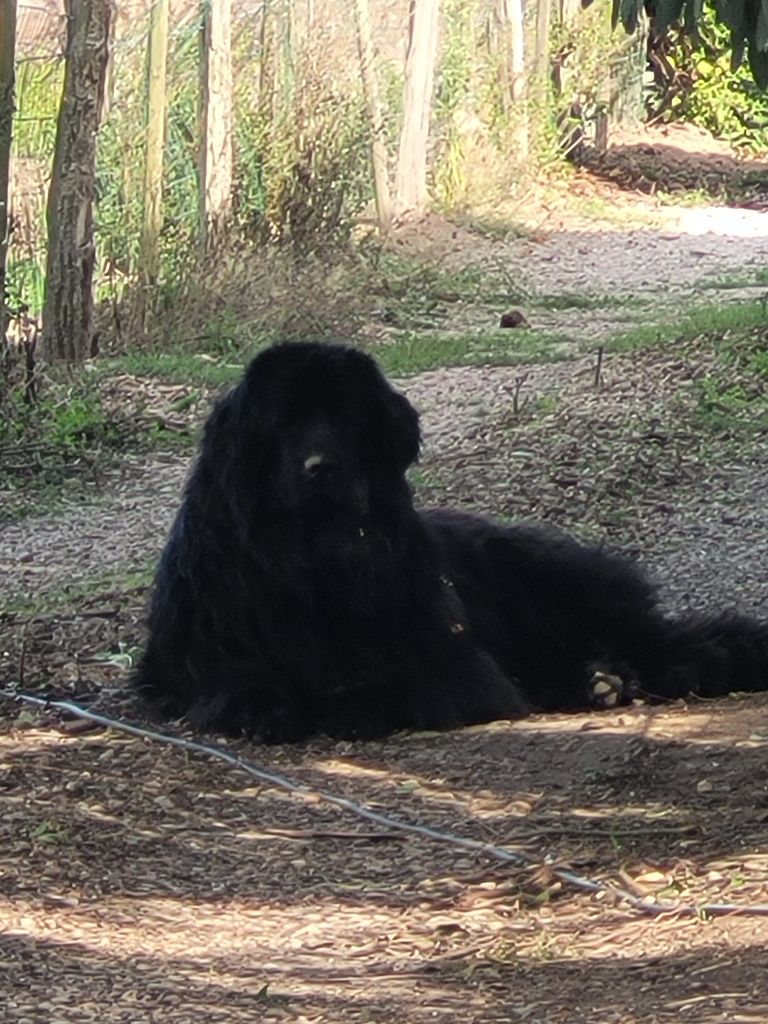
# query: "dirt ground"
140 882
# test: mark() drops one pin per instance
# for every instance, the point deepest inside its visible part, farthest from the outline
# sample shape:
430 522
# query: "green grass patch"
411 353
735 399
732 282
69 419
404 353
691 198
572 300
177 366
58 446
411 282
733 407
712 319
87 591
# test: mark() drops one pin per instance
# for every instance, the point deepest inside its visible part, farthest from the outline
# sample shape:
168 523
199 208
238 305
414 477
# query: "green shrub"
695 83
68 420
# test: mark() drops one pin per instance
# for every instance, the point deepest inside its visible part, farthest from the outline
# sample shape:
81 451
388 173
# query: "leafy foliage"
736 398
313 169
452 91
746 21
25 282
38 88
696 82
71 420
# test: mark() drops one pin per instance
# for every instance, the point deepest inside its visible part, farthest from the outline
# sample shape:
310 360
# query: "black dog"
300 592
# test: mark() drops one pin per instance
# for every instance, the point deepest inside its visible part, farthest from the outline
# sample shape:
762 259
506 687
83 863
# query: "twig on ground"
645 905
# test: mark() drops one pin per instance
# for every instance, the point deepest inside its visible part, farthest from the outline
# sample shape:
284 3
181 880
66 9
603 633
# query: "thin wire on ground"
646 905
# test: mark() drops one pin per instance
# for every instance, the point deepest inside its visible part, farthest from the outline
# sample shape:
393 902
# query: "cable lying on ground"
646 905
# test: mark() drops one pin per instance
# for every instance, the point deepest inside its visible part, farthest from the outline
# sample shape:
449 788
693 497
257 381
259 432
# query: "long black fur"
300 591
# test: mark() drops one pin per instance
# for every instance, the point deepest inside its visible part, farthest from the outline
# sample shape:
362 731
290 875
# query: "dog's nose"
318 466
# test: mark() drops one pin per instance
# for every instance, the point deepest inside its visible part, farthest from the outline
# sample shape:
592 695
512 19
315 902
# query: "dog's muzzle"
326 478
317 465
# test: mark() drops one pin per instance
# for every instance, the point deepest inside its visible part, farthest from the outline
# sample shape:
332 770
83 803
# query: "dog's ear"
387 417
230 457
223 436
401 433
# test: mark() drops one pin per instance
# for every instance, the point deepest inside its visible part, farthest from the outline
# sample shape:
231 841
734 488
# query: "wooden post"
541 57
216 156
411 177
153 167
7 85
379 155
513 70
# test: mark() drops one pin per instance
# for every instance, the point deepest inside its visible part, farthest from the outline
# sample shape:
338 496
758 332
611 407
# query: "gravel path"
623 464
704 531
121 530
679 249
136 880
478 454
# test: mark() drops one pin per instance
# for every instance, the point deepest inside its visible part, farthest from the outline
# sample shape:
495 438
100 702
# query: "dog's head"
314 425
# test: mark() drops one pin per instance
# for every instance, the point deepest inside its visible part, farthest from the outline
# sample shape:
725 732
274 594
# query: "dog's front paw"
609 688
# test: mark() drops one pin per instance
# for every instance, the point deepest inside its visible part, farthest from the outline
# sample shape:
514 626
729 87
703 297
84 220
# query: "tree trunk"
569 9
513 71
540 81
153 167
380 157
7 83
68 310
541 57
216 90
411 177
